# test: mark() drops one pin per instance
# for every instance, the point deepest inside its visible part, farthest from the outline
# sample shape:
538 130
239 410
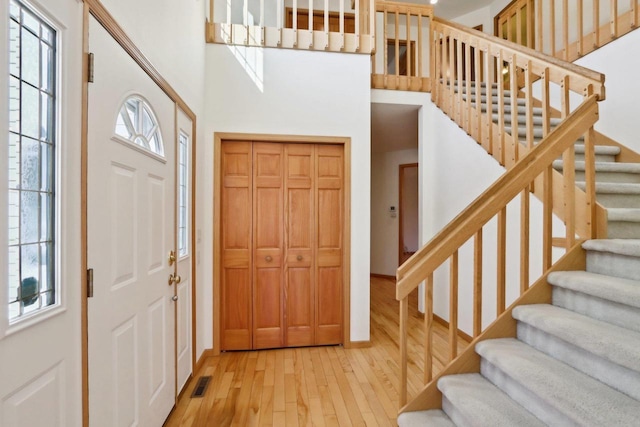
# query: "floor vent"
201 387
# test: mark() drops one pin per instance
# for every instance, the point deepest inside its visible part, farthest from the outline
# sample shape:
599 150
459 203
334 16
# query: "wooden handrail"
487 205
580 77
404 8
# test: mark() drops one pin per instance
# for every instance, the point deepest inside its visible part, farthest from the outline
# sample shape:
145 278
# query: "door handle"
299 257
174 278
268 258
174 298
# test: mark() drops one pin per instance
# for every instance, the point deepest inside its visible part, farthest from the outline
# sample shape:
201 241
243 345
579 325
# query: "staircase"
617 183
574 362
567 352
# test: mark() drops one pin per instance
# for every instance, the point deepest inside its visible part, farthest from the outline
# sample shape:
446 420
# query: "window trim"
9 327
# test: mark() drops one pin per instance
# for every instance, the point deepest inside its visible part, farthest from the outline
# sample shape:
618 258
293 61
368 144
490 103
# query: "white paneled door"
131 233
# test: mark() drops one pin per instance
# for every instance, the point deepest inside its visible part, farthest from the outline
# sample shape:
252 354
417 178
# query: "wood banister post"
453 306
428 329
477 284
502 262
404 319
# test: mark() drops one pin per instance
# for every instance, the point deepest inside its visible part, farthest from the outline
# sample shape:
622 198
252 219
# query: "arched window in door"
137 124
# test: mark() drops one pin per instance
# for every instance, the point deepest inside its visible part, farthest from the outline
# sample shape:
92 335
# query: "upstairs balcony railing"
401 58
567 29
326 25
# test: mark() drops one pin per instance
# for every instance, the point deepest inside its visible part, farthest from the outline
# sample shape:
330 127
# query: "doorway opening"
394 142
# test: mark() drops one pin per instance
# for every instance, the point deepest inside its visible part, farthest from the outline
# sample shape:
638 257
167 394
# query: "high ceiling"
448 9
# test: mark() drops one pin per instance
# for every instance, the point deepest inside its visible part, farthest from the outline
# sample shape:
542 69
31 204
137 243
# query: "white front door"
184 350
131 232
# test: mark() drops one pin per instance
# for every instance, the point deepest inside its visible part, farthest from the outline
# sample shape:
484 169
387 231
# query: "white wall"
280 91
619 112
384 194
481 16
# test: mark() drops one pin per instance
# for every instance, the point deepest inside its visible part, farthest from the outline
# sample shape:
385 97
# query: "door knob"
174 298
174 278
268 258
299 257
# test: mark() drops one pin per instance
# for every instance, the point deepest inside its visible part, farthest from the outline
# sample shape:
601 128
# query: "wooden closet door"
329 179
236 216
299 245
268 245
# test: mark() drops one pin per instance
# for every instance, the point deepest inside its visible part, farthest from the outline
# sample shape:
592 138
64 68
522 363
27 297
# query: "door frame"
401 168
96 9
218 138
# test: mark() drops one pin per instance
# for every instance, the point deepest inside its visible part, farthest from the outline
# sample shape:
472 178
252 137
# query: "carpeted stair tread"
507 109
478 402
628 247
603 166
522 120
431 418
599 149
520 102
613 343
522 131
613 187
622 291
560 393
623 214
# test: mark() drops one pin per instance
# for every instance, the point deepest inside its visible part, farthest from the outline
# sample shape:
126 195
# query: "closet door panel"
329 235
268 244
299 245
236 219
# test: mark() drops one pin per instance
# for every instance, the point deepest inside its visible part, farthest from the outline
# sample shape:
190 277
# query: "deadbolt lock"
172 258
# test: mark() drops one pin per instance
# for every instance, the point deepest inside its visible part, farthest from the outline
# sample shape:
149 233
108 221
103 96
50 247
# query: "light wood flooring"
319 386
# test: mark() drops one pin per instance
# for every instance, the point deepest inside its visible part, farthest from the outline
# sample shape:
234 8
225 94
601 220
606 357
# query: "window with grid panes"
31 170
183 173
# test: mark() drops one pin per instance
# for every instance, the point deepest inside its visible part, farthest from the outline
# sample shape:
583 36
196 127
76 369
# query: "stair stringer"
505 326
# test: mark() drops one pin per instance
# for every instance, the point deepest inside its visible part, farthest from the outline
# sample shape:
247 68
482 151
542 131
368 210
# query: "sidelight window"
31 165
183 195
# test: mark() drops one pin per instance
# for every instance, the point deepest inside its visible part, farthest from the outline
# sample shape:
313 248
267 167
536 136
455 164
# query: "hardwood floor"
323 386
